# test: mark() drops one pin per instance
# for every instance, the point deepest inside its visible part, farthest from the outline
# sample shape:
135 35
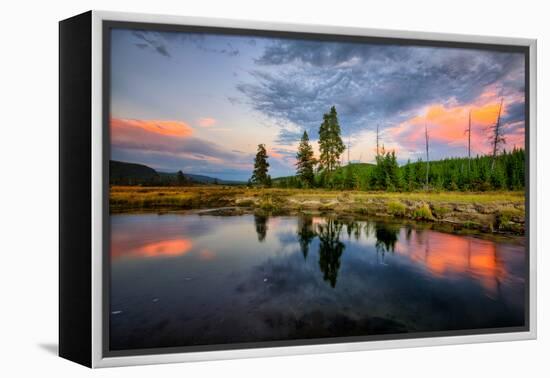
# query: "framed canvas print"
235 189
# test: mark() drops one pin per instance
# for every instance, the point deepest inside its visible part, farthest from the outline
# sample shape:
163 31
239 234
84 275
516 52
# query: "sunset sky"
201 103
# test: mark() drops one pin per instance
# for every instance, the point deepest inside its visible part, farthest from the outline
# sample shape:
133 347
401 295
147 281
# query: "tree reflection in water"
260 221
305 233
354 228
386 237
330 249
330 246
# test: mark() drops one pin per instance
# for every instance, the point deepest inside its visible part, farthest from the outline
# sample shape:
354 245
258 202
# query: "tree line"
502 170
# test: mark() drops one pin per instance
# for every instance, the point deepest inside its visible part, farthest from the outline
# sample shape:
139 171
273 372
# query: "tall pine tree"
261 166
331 145
305 162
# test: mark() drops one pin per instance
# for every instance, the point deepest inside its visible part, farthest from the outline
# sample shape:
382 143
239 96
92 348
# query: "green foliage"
481 173
423 213
440 211
397 209
305 163
261 166
508 173
181 180
331 145
386 175
510 219
350 178
267 204
408 174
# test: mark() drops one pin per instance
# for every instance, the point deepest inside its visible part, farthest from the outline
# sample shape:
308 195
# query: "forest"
501 170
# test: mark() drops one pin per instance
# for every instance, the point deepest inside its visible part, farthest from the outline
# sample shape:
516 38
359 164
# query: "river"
190 279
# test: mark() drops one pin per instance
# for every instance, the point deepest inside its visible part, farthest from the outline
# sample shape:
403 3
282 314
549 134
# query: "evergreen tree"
181 180
454 174
305 162
331 145
408 176
498 179
261 166
386 173
350 180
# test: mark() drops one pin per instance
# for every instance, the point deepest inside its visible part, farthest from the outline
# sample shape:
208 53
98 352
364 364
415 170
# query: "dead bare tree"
469 131
496 137
427 153
378 140
349 146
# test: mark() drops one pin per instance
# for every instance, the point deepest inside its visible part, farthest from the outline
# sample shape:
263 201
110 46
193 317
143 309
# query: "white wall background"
28 200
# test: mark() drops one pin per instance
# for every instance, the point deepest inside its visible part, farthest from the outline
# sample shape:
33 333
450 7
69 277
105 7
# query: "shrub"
267 204
440 211
509 220
245 203
423 213
397 209
509 214
362 211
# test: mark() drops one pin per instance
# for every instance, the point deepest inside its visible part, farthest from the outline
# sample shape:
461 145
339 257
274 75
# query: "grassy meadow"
499 211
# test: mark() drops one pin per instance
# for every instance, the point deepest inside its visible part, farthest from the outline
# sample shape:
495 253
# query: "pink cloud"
170 128
206 254
447 123
207 122
172 139
272 152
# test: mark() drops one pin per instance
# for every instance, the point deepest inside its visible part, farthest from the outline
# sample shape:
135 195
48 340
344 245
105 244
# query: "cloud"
163 42
206 122
170 145
447 124
295 82
149 40
170 128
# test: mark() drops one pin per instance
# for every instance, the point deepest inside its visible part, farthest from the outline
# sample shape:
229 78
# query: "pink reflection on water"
163 248
447 255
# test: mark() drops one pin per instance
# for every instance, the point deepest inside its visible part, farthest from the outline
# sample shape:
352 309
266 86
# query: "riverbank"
494 212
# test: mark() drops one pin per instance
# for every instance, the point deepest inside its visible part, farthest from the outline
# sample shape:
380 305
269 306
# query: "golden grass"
487 211
190 197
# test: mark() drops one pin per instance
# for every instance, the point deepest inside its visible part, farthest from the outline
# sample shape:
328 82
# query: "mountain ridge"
126 173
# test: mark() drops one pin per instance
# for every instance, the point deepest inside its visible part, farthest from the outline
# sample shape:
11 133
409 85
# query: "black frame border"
75 189
108 25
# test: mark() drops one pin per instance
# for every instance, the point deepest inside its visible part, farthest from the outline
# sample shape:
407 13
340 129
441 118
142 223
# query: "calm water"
181 280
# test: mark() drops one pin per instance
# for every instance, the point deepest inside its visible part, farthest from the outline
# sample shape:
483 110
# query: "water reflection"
330 249
386 237
190 279
447 255
306 233
354 229
163 248
260 221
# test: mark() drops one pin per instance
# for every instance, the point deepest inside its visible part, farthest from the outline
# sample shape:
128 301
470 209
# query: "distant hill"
201 179
360 169
122 173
